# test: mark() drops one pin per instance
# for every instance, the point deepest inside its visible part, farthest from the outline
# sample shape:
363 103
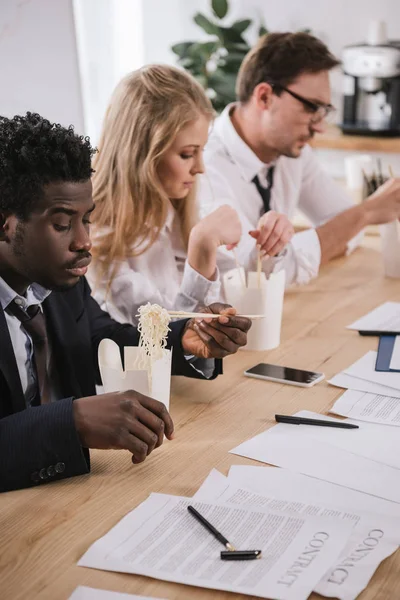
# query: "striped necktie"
34 323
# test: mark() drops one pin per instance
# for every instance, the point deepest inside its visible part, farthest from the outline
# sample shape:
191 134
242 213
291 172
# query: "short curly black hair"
34 153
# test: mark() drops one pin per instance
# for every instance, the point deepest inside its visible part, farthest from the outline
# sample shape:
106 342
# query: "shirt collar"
243 156
35 294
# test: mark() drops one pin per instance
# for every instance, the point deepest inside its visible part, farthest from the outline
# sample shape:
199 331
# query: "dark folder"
385 351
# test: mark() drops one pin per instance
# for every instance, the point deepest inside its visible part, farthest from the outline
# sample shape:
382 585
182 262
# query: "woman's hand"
220 228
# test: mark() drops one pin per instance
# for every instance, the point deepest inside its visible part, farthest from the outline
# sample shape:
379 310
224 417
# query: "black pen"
377 333
240 555
305 421
231 553
211 528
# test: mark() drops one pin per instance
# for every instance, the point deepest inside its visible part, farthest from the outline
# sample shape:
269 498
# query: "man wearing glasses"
258 160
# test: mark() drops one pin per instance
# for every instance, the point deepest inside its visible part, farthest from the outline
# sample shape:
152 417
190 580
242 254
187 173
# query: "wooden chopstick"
193 315
258 268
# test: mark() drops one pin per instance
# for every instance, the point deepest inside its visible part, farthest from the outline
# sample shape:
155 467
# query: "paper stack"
362 376
373 382
385 318
295 493
324 470
313 535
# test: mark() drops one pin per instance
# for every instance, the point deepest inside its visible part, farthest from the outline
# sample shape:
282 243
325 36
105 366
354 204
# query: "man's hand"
274 231
383 206
216 338
122 420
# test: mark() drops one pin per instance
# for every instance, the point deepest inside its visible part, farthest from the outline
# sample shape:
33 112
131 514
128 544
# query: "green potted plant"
215 62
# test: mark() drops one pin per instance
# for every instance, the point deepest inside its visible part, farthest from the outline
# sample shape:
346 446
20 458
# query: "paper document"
364 368
362 555
385 317
374 441
343 380
270 480
373 408
86 593
324 461
395 360
161 539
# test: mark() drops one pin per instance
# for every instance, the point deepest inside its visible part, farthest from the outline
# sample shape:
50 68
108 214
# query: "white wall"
110 44
38 56
337 22
38 60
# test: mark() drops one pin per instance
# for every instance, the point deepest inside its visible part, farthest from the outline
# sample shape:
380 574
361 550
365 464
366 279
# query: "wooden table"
334 139
45 530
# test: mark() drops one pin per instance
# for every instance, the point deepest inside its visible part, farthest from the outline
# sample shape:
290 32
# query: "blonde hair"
148 109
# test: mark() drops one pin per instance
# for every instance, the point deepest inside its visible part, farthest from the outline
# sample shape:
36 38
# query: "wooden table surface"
45 530
334 139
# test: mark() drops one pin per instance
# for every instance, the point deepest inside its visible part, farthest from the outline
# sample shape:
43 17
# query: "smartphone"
284 375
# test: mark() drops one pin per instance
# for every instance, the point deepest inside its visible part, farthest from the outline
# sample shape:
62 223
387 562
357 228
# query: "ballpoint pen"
230 553
293 420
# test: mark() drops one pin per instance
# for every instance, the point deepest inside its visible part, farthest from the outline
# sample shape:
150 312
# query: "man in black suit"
50 326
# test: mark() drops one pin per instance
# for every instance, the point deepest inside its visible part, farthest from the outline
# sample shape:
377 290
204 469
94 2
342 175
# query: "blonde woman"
148 242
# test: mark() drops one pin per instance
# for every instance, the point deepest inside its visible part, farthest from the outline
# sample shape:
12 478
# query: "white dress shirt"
161 275
298 184
21 341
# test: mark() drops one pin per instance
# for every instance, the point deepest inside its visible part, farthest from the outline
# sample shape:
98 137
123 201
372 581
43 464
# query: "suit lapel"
61 327
70 344
8 366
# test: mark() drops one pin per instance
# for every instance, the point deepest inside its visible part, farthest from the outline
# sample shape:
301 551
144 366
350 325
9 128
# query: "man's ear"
262 95
5 227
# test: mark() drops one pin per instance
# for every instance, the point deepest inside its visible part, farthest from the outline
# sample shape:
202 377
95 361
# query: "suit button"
43 474
35 477
51 471
60 467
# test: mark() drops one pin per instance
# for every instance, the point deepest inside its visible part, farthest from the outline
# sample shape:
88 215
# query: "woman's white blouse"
161 275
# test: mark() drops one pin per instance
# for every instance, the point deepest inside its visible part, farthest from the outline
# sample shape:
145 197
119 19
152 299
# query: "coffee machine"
372 85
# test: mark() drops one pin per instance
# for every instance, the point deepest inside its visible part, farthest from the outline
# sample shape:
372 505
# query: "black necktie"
34 323
265 193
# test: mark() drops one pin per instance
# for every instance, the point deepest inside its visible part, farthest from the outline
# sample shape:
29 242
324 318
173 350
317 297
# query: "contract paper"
86 593
373 408
374 537
385 317
162 539
324 461
270 480
343 380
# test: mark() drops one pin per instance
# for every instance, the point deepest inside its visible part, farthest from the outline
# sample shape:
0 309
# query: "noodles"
153 328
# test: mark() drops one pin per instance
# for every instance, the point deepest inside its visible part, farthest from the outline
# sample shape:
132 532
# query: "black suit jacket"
40 444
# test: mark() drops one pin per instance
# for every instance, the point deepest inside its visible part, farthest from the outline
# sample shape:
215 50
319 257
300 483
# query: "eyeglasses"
320 111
